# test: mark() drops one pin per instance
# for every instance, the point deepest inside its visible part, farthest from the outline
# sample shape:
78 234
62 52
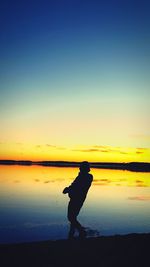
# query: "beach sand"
123 251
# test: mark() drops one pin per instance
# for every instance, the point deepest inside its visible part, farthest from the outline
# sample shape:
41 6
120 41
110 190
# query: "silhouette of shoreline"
127 250
131 166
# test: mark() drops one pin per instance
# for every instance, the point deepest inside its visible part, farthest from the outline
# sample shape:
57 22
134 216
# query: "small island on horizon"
131 166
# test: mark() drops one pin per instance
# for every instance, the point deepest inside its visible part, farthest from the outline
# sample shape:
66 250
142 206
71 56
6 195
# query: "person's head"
84 166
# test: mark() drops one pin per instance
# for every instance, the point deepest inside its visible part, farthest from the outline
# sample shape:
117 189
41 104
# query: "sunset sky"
75 80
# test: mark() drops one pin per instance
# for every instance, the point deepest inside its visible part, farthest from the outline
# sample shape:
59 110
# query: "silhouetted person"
77 192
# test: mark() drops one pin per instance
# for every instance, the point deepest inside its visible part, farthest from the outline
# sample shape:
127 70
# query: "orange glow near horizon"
29 175
19 151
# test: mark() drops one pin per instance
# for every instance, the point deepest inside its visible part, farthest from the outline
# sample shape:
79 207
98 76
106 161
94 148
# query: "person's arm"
67 189
90 180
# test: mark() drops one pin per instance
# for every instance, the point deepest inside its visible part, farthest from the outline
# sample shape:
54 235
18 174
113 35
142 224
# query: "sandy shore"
123 251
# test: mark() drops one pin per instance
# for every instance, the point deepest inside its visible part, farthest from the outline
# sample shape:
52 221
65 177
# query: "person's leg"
73 211
71 218
71 231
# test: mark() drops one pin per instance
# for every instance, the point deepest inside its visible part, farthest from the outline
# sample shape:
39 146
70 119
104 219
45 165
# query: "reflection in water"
36 180
143 198
32 205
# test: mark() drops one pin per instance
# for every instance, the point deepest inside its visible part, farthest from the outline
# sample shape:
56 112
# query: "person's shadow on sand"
77 192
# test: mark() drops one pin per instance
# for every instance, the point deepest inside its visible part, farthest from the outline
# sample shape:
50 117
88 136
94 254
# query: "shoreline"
131 166
104 251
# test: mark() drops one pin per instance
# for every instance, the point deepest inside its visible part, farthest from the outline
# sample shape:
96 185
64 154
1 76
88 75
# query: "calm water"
32 206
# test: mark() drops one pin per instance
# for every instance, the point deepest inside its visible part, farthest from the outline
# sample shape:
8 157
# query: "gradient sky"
75 80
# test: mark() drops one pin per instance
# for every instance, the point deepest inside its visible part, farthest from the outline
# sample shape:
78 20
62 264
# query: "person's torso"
80 186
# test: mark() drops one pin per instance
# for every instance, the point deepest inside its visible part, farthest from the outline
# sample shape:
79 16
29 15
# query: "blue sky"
88 59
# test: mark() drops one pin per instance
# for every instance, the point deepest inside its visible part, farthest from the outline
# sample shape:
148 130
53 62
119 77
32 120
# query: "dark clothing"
77 192
73 211
79 188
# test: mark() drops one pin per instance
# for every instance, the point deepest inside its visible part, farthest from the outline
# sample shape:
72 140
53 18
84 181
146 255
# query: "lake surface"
32 206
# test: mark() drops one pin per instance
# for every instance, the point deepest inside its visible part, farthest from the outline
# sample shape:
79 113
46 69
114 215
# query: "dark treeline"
132 166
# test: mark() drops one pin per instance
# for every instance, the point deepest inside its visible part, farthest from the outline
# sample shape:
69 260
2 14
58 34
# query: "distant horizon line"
72 161
131 166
